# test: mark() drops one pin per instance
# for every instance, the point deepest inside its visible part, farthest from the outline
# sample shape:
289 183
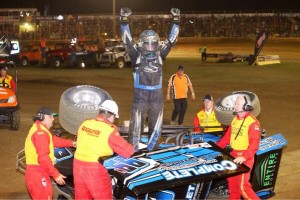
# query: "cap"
208 97
46 111
180 67
3 67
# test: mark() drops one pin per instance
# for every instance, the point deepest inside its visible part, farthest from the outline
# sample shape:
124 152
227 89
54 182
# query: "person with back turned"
97 138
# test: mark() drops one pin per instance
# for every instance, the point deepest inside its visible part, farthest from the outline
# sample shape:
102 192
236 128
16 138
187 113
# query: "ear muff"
40 117
246 106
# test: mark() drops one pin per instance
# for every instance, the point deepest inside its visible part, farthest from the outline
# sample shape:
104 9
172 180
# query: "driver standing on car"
147 59
39 151
96 139
242 136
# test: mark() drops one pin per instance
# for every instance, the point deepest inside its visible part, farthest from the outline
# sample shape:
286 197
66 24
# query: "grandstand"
27 24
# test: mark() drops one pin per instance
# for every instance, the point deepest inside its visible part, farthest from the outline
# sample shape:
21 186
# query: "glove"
176 14
125 12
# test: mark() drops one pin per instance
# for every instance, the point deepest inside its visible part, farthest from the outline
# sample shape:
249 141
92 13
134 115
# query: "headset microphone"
236 112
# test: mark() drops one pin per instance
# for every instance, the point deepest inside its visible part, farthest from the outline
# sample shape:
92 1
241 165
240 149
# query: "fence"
91 27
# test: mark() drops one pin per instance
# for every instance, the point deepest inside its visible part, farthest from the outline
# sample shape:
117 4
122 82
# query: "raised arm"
174 32
126 34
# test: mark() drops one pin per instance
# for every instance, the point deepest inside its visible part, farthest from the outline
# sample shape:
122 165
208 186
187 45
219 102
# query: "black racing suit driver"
147 59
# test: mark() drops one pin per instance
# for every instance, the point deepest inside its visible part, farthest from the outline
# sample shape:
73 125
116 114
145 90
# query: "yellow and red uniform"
96 138
204 119
9 82
243 135
39 151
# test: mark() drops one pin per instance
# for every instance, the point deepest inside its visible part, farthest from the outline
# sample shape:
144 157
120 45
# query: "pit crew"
97 138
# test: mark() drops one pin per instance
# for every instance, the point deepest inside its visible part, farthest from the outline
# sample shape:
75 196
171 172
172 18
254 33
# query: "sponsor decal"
174 33
86 107
203 169
269 143
90 131
191 191
268 170
61 154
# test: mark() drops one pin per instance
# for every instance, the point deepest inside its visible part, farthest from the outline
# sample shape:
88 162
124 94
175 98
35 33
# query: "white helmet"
110 106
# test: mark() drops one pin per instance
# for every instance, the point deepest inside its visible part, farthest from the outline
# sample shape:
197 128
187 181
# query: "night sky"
105 6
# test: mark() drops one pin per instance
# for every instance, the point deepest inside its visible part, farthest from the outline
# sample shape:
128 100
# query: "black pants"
203 56
146 105
180 106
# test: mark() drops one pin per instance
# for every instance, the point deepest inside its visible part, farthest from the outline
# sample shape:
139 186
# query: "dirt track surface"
277 87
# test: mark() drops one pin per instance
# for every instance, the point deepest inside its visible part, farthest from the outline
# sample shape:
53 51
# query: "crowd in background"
192 25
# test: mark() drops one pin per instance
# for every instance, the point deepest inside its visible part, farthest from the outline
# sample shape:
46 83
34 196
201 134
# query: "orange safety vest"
43 43
208 120
242 140
92 140
30 150
179 86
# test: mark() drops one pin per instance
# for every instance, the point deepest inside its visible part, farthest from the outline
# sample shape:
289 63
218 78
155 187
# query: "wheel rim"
121 64
57 63
24 63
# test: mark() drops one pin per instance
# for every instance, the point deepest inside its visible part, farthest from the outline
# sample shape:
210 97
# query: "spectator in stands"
179 84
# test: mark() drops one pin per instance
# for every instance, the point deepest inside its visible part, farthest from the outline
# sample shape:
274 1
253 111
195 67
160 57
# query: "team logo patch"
44 183
256 128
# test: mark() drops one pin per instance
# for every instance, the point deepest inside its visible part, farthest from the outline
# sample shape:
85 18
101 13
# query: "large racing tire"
78 104
15 121
224 106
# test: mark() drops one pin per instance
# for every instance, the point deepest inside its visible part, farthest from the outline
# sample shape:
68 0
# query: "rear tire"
15 121
120 63
78 104
57 62
224 106
24 62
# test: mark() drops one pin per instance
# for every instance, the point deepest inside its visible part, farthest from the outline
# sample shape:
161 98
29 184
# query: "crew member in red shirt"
39 151
97 138
243 136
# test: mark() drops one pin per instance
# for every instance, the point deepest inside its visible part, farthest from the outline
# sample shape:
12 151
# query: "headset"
39 117
247 106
